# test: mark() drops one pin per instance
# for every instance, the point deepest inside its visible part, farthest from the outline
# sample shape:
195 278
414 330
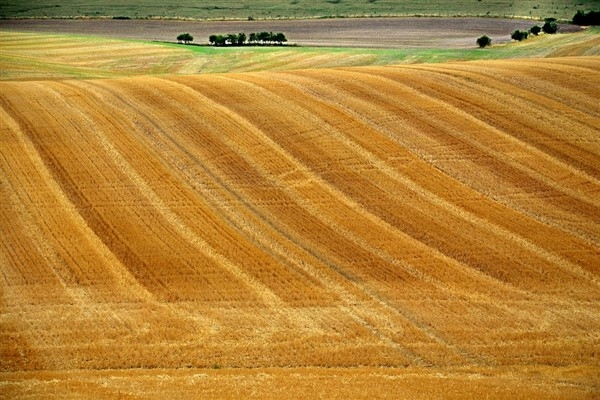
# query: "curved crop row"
426 215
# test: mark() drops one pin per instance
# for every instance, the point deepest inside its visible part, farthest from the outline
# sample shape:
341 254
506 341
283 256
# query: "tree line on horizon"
550 26
269 38
240 39
587 19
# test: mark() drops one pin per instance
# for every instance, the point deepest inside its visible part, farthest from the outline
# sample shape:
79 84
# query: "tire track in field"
180 226
461 213
587 201
172 272
364 316
581 63
122 277
67 150
99 215
194 170
523 240
353 304
540 299
23 250
547 109
492 86
485 148
179 144
561 196
45 235
562 82
304 174
454 81
18 201
297 166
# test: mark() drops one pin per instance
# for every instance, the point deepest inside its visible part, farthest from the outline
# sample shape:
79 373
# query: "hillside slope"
278 9
423 216
41 56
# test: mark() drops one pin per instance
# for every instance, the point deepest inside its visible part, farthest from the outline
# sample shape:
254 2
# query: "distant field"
400 33
27 56
436 225
269 9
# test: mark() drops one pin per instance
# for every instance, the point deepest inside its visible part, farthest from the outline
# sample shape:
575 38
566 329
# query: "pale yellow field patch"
426 231
27 56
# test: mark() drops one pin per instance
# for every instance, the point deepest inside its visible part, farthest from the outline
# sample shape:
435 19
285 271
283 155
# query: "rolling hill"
405 226
284 9
38 55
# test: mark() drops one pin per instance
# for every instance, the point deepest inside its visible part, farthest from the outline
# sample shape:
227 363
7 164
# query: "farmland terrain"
295 9
40 55
419 216
398 33
400 231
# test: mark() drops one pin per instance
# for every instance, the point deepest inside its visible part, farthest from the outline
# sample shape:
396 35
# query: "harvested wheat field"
426 231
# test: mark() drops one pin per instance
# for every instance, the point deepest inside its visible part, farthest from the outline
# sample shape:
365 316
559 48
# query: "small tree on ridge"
535 30
519 35
185 38
484 41
590 18
550 26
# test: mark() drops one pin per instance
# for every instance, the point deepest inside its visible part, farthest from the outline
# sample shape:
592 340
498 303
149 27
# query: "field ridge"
277 9
433 229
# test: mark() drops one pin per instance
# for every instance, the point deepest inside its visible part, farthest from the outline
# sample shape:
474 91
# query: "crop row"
373 216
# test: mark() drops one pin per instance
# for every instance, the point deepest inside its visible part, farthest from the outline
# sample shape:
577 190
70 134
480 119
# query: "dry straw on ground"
422 225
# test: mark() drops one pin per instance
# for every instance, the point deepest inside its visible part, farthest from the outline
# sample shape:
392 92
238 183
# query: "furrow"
440 202
180 226
392 131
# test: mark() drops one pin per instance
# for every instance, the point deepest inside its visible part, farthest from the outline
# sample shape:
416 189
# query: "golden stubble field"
426 231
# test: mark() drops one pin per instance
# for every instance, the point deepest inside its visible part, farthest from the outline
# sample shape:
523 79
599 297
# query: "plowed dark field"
352 32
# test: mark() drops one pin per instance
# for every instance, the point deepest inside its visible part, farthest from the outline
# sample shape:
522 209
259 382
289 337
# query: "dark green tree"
185 38
484 41
519 35
218 40
279 38
586 19
550 26
579 18
240 39
232 39
535 30
264 37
